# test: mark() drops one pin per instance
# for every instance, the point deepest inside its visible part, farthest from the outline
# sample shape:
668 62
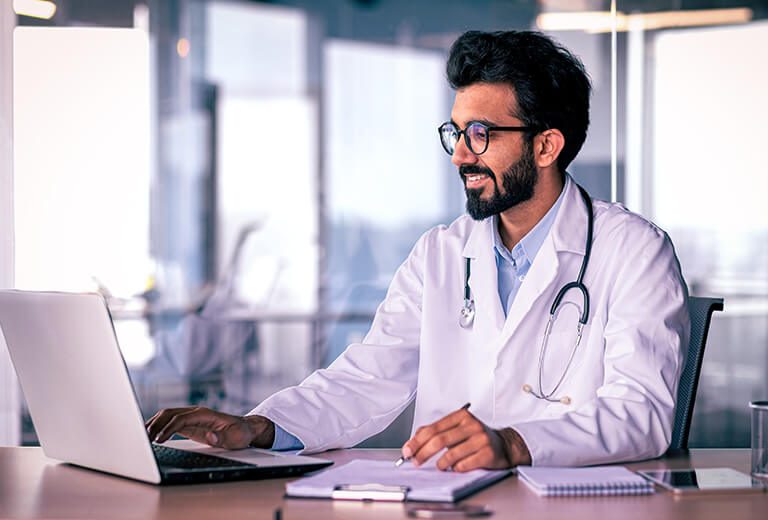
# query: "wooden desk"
32 486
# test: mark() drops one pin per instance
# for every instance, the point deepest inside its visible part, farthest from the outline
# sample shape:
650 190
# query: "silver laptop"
83 405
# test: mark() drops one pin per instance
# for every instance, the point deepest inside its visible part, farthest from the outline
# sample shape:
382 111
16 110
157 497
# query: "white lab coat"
622 381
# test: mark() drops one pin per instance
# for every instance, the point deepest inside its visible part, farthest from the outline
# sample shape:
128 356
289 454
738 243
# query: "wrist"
261 431
514 447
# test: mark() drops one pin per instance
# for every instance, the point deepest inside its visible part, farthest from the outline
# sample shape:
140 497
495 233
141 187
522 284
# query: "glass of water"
759 438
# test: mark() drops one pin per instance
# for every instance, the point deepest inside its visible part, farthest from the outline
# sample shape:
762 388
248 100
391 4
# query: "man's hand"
471 444
210 427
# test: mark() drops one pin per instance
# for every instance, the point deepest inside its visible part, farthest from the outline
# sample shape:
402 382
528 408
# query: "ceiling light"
602 21
34 8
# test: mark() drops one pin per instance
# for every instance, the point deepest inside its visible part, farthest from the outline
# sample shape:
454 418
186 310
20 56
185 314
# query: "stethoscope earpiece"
528 389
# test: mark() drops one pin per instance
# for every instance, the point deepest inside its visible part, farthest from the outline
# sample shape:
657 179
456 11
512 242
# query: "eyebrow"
483 121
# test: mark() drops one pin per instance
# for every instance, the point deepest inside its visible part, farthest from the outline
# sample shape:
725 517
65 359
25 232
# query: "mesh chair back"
701 310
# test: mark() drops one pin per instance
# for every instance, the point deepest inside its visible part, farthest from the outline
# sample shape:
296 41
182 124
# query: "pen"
399 462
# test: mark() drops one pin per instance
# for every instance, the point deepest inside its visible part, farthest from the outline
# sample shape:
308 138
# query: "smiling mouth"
474 180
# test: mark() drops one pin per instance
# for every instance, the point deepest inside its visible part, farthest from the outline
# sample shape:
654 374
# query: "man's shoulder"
457 231
613 220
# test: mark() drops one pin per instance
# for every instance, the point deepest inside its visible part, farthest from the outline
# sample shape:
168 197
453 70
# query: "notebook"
83 405
592 481
381 480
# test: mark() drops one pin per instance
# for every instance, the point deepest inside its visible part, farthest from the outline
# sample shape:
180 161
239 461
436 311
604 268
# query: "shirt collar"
530 244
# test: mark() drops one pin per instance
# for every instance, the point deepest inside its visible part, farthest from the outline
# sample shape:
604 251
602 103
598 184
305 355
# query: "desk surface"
33 486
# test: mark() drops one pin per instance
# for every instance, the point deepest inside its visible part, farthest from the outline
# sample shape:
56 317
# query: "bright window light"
82 158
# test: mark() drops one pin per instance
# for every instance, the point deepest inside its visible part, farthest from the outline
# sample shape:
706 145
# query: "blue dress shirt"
513 265
512 268
285 441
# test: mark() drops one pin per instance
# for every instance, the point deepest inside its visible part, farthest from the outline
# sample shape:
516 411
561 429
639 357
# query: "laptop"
83 405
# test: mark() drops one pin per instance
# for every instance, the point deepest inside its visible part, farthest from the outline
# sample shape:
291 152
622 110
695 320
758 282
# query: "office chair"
701 310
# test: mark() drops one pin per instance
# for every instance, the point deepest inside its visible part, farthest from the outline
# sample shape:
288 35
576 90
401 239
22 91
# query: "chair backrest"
701 310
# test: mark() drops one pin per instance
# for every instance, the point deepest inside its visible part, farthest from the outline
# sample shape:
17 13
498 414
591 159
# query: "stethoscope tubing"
468 310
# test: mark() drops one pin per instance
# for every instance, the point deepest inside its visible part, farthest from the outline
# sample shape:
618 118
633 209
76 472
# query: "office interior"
241 179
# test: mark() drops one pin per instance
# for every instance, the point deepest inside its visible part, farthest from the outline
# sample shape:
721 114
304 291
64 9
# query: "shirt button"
521 277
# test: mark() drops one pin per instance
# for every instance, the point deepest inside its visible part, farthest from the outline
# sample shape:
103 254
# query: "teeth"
473 178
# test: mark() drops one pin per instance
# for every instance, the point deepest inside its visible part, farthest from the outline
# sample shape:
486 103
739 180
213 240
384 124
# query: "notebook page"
425 483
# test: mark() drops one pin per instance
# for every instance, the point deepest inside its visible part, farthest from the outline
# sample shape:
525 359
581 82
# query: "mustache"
470 169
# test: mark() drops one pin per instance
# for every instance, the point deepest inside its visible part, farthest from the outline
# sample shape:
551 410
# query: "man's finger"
196 433
482 458
176 423
425 433
446 439
156 423
152 420
149 421
461 451
161 418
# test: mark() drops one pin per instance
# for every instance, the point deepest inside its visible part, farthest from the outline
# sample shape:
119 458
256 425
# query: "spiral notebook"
592 481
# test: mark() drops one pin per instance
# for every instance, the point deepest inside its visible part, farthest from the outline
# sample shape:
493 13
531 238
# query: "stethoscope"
467 315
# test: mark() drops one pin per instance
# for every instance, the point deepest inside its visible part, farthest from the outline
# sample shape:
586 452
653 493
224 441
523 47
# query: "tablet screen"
710 479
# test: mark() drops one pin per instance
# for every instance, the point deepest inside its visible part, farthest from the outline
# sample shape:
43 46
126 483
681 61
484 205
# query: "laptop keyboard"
192 460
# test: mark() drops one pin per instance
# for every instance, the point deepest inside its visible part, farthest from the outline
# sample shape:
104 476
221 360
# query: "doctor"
469 316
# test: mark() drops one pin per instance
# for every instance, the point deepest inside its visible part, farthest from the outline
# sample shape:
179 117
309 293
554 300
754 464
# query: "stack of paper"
426 483
597 480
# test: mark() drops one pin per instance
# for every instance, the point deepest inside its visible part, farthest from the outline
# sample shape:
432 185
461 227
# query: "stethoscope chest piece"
467 314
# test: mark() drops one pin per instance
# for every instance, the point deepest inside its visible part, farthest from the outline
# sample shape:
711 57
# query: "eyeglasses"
475 135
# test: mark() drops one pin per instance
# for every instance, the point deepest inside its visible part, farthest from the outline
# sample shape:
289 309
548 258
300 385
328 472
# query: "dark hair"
550 83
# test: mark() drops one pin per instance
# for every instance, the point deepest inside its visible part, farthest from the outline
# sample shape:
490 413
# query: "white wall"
9 396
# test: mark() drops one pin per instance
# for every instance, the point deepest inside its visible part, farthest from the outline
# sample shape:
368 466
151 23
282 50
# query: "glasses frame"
488 129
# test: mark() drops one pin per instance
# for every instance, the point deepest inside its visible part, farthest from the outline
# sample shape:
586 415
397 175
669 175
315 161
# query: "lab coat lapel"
565 238
483 280
541 275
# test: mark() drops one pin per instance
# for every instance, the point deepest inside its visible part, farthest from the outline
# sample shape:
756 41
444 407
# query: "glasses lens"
449 134
478 137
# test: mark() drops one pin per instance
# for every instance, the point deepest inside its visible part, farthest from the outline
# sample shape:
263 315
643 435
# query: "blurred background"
241 179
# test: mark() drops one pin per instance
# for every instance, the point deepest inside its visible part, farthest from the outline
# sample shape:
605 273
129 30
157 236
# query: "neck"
518 221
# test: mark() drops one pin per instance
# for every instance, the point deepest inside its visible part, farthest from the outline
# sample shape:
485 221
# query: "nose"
462 155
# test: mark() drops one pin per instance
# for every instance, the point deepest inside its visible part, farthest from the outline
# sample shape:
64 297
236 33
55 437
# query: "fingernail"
213 438
157 437
407 452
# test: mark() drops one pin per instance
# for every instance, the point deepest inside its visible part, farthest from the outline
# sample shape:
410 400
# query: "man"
604 394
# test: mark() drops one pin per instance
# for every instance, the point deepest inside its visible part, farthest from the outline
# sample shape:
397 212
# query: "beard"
518 181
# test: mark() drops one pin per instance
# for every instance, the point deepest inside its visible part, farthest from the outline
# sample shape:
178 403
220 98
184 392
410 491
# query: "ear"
547 147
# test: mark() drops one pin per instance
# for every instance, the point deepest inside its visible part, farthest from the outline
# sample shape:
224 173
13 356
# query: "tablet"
709 480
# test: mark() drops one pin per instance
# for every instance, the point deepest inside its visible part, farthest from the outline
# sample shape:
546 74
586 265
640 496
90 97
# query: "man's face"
505 175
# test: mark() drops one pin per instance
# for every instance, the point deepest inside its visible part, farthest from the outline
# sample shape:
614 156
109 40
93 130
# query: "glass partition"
282 159
704 112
